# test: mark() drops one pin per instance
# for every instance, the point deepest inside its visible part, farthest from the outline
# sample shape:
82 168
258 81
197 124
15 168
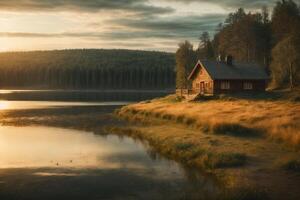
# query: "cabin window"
225 85
248 86
197 85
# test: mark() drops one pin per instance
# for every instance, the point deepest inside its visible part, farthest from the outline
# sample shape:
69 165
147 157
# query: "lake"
57 150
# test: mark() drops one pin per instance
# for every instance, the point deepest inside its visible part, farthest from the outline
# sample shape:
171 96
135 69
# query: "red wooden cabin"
218 77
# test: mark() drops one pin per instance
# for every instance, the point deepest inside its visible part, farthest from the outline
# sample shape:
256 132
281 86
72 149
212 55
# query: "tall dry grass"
279 120
181 149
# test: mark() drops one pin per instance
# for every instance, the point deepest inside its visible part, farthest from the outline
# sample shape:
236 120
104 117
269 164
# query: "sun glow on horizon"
4 45
4 105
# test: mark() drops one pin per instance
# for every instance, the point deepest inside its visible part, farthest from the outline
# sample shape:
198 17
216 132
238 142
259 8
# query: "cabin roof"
237 71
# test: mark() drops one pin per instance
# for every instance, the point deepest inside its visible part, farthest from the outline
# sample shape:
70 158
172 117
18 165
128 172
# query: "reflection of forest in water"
81 95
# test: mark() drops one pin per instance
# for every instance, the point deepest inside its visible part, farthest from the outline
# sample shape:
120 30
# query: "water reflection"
4 105
12 91
28 147
81 95
49 147
41 162
107 161
22 105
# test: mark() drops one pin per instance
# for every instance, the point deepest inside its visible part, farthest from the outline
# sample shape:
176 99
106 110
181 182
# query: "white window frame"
248 86
225 85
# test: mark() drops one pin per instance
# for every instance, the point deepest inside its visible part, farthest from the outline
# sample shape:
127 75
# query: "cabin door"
202 88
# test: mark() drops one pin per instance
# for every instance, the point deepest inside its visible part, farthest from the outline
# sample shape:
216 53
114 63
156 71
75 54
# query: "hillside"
87 68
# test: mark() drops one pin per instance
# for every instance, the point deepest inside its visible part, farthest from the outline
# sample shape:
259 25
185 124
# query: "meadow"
274 119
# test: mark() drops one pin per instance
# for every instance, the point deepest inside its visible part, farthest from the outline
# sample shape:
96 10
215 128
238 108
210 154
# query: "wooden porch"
189 94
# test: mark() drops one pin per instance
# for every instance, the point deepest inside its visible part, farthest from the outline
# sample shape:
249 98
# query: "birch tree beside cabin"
185 60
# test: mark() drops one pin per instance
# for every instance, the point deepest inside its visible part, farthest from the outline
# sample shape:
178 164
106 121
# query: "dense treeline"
95 69
270 40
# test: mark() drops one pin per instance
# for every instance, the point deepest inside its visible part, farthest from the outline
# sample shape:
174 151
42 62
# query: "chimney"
229 60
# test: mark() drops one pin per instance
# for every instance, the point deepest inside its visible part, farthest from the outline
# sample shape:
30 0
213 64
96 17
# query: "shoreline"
251 166
238 153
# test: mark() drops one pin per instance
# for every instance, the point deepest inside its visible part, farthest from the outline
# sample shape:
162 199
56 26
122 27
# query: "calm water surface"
81 95
56 147
21 105
42 161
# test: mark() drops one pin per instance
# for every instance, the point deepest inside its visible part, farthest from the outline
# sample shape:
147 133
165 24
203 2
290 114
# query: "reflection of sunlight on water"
55 174
21 105
63 148
4 105
43 146
5 91
12 91
56 152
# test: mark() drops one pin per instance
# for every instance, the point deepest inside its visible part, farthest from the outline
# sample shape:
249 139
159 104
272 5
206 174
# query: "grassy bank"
197 150
247 143
183 150
278 120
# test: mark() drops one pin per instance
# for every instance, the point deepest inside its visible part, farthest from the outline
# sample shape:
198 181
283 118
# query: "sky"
112 24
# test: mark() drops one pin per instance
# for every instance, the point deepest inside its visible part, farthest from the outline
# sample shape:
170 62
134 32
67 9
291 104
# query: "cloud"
136 6
248 4
188 27
171 27
149 24
49 35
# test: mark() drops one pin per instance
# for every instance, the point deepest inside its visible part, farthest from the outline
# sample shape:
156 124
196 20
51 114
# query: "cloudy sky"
131 24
